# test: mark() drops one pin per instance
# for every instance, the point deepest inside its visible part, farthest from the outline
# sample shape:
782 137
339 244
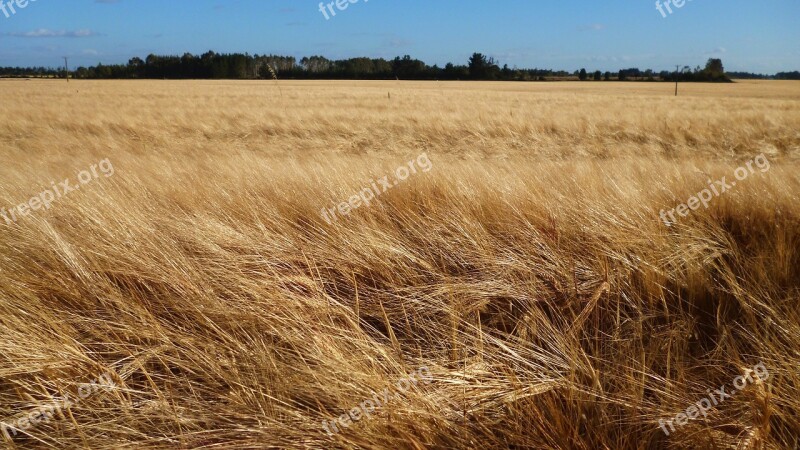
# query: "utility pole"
66 67
676 79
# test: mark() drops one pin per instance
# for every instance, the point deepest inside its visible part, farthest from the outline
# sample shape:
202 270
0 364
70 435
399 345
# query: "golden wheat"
528 271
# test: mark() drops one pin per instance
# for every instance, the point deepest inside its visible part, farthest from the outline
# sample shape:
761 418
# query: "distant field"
527 266
528 120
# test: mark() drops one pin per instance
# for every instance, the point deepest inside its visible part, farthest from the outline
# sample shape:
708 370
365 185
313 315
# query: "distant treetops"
211 65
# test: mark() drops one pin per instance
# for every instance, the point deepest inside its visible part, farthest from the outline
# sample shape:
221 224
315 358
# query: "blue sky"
758 36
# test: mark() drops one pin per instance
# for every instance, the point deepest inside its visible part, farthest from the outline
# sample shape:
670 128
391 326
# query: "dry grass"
529 270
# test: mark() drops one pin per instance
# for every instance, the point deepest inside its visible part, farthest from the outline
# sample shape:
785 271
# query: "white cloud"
48 33
717 51
592 27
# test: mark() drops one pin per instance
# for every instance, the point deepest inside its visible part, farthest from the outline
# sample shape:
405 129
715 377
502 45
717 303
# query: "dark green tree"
714 67
482 67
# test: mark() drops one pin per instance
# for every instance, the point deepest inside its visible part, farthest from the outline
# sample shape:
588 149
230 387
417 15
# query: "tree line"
760 76
212 65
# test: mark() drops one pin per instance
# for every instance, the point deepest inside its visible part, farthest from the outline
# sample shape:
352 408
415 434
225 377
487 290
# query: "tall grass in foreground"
551 305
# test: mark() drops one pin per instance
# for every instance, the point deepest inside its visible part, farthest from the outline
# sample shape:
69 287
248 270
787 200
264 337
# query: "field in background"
529 270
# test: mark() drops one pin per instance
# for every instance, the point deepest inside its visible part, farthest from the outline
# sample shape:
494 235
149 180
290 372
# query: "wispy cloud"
397 42
48 33
592 27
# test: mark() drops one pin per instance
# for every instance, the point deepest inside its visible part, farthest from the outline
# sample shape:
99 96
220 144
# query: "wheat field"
527 274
